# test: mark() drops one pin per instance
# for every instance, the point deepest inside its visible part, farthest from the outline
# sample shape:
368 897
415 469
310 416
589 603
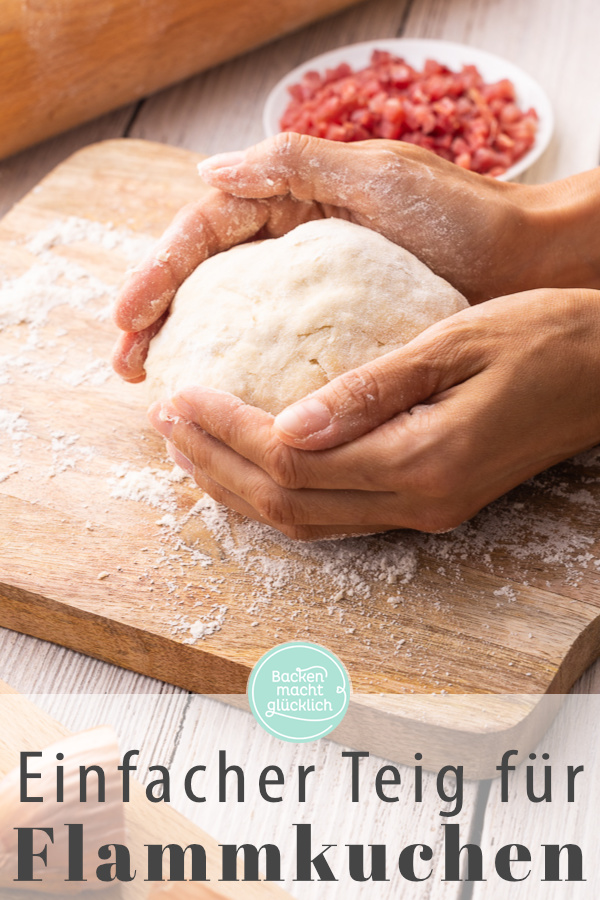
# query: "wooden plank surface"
34 665
193 595
212 113
25 726
572 741
180 732
333 815
21 172
208 113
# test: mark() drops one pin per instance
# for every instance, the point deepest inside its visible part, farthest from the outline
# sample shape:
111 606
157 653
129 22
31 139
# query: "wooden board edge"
189 667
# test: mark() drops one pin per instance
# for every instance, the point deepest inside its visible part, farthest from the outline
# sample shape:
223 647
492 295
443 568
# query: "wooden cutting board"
508 603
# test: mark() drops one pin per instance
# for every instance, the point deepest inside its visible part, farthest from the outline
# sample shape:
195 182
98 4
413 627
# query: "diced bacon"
401 75
393 110
501 90
388 129
457 115
464 160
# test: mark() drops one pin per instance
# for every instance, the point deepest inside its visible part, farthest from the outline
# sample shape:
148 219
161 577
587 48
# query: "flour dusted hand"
485 237
275 320
423 435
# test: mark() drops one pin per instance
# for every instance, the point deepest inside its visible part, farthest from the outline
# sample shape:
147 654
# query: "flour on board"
15 426
148 485
53 280
75 230
284 581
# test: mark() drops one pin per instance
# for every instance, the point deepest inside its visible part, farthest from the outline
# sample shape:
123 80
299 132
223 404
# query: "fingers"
391 455
250 490
403 474
231 500
308 168
131 351
198 231
213 488
419 459
362 465
360 400
245 429
295 532
216 223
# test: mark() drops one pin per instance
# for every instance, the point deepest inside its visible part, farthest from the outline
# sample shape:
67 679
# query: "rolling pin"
63 62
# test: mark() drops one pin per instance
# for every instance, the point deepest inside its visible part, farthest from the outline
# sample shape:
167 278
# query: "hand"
422 437
485 237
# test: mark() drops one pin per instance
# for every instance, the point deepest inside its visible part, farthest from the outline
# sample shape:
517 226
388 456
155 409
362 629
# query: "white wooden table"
556 40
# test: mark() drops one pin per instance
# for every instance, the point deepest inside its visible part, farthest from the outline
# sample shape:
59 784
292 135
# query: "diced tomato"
444 142
336 133
457 115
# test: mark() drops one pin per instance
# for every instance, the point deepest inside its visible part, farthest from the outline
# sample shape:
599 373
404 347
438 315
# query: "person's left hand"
422 437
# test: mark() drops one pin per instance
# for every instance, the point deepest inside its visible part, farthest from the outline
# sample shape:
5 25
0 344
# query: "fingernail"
180 460
183 408
221 161
303 419
163 417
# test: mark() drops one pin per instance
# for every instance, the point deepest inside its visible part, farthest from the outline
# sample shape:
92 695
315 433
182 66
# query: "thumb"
308 168
362 399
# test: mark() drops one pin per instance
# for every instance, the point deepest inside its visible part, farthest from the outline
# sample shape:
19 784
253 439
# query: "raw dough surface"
275 320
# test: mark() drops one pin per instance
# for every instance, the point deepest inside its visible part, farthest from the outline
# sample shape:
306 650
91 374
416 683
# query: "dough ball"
274 320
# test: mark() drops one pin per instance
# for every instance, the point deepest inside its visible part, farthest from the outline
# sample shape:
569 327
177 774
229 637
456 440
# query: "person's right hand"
487 238
422 437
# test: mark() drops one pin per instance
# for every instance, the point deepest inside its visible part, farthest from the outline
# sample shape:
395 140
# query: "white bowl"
415 52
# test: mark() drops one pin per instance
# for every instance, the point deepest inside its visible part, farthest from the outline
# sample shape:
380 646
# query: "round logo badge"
299 691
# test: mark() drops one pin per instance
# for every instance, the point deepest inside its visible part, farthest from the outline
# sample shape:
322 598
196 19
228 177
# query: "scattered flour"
148 485
345 576
67 452
508 532
53 281
201 629
75 230
15 426
552 542
95 373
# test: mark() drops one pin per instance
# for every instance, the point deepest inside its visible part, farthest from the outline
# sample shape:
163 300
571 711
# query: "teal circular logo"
299 691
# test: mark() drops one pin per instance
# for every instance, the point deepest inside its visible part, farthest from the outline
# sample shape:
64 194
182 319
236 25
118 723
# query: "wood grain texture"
334 817
572 741
131 50
178 730
476 616
211 114
22 171
208 113
26 726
